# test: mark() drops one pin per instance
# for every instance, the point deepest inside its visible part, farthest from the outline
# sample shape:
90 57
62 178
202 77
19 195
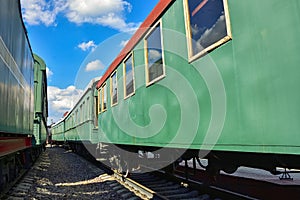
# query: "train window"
76 118
96 108
114 89
84 111
87 107
99 101
104 98
154 55
207 23
81 111
128 72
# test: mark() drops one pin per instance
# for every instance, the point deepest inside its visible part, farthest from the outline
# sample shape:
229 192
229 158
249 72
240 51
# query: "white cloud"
94 8
94 65
49 73
154 54
84 46
103 12
213 34
123 43
61 100
44 12
110 13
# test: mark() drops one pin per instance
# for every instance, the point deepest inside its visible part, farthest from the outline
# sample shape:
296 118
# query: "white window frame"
148 83
112 88
104 92
211 47
125 75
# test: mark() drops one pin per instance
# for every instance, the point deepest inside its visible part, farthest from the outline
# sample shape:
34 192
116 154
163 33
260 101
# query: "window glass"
88 114
77 117
83 112
207 23
114 89
129 76
154 59
104 97
96 109
80 114
99 101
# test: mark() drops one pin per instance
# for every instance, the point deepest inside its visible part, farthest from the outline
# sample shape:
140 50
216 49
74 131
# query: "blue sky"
78 39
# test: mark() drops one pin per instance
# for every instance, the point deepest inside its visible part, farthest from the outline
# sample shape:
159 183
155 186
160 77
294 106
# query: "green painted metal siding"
16 72
82 132
247 89
58 131
79 123
40 131
260 69
40 100
145 97
39 81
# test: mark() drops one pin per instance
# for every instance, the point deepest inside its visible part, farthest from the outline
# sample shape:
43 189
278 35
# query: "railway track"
51 177
159 185
153 187
17 171
21 186
42 182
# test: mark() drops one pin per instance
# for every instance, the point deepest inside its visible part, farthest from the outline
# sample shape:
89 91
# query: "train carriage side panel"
58 131
80 122
260 71
40 99
16 72
93 113
257 71
140 104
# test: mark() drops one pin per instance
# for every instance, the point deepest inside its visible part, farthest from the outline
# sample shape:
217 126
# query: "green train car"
16 73
79 125
23 96
40 130
58 132
215 79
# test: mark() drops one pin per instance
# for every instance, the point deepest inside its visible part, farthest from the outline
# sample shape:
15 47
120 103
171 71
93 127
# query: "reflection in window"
129 76
76 117
104 97
207 24
88 114
80 114
114 89
154 59
84 110
99 101
97 107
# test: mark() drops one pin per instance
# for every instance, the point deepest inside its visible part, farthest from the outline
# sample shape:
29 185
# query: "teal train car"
16 73
23 96
79 126
58 132
214 79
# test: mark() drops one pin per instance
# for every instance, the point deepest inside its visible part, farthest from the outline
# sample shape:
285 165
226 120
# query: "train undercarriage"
129 159
17 154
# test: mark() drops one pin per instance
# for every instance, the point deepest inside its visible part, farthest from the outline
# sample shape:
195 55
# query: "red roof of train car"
154 15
